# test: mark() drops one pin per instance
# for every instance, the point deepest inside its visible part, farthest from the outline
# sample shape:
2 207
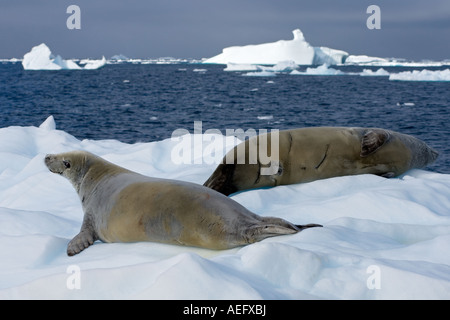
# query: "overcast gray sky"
412 29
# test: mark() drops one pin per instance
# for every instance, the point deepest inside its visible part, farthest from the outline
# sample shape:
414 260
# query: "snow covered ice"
382 238
40 58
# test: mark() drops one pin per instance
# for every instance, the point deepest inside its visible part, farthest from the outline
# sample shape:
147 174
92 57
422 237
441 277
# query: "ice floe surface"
382 238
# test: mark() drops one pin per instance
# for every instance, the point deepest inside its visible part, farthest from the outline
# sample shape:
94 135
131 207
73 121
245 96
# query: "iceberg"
302 53
382 238
297 50
40 58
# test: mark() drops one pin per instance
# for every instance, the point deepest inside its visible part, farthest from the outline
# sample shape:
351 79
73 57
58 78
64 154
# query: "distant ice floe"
120 58
12 60
270 117
40 58
260 74
370 73
363 60
322 70
423 75
200 70
291 68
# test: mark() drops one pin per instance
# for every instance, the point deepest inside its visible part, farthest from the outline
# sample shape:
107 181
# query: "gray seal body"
123 206
309 154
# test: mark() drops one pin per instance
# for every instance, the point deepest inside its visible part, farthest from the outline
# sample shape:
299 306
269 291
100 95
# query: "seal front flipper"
80 242
373 140
84 239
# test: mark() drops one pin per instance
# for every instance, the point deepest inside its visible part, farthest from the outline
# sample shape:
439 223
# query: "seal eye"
66 164
280 170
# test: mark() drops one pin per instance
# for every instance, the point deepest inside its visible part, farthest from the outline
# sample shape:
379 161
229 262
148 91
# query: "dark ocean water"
142 103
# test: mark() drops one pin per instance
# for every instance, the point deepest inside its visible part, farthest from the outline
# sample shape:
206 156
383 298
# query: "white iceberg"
40 58
302 53
297 50
423 75
382 238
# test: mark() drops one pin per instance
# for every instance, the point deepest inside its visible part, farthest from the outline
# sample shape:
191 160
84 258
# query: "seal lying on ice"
309 154
123 206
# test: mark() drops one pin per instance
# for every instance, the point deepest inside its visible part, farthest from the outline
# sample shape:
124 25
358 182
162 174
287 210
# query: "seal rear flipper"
306 226
260 232
222 179
373 140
